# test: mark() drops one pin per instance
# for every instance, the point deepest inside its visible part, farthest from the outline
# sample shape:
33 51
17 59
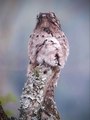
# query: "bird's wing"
63 41
50 52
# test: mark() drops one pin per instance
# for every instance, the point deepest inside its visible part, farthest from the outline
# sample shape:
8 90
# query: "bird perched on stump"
48 50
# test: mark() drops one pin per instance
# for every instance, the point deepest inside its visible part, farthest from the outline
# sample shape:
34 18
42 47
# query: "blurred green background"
17 21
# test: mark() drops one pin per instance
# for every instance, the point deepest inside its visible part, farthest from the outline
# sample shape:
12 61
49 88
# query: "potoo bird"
48 50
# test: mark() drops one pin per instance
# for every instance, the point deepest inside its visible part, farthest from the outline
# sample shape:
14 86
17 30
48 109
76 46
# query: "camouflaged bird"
48 50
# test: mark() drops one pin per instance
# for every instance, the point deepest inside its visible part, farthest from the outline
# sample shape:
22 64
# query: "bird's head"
47 20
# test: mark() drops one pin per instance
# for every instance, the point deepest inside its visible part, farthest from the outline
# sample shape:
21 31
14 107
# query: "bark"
37 99
37 102
3 115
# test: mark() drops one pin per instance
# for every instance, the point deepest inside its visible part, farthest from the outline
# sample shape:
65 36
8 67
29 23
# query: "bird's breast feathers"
46 49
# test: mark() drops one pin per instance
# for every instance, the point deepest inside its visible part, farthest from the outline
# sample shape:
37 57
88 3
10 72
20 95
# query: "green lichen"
36 72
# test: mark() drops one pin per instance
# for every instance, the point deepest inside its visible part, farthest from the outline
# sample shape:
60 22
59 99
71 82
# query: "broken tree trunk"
36 102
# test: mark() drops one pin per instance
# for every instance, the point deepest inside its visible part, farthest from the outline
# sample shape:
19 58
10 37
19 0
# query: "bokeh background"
17 21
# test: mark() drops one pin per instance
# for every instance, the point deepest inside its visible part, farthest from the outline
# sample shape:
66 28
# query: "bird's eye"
52 14
37 16
43 15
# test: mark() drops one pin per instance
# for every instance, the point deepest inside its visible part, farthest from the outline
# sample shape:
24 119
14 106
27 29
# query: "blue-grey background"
17 21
